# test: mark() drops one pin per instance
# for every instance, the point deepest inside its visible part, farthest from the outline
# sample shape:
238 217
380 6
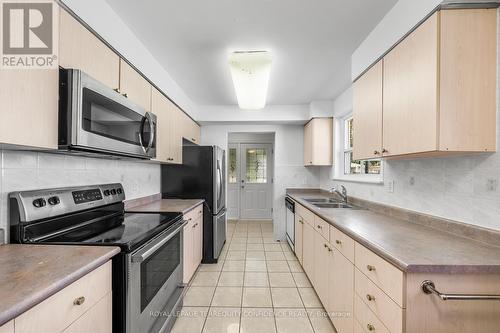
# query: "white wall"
289 170
271 113
25 170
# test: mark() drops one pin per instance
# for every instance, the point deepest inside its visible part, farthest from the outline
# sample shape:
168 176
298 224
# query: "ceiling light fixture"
250 71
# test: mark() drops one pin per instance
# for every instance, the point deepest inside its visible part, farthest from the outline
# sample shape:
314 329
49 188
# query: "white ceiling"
311 42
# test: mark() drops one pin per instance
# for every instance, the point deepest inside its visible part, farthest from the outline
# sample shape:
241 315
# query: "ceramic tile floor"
258 286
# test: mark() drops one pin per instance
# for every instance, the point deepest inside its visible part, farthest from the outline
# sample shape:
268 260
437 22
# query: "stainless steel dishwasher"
290 222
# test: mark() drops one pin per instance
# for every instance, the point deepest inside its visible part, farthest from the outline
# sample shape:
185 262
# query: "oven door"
155 279
106 121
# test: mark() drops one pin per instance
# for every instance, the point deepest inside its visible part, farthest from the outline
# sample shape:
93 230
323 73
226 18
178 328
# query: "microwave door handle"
151 131
141 134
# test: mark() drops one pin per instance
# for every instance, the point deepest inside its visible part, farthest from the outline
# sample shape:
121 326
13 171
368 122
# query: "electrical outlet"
412 181
491 184
390 186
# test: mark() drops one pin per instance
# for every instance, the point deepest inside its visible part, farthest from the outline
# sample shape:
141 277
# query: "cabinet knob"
384 150
125 95
338 242
193 139
370 297
370 268
370 327
376 152
117 90
79 301
319 227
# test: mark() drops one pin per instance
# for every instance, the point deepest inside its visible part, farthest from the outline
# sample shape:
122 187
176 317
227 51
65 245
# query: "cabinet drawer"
194 214
322 227
306 214
383 274
97 320
60 310
342 242
365 317
381 305
8 327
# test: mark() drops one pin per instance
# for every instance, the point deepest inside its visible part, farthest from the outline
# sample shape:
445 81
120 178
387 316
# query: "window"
353 167
256 165
233 172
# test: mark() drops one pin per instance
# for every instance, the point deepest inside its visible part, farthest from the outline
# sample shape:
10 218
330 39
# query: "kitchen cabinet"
192 242
190 129
299 234
8 327
79 48
321 253
318 142
367 114
134 86
86 303
340 291
438 90
308 250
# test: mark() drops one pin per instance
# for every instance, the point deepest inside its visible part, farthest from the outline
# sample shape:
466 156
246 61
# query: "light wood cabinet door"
318 142
321 255
410 92
198 243
98 319
29 108
367 114
190 129
308 144
176 130
8 327
299 225
134 86
340 292
308 251
161 108
80 49
188 249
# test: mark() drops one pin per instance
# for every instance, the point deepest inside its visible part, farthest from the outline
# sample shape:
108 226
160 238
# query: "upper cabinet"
80 49
134 86
368 114
433 93
318 142
190 129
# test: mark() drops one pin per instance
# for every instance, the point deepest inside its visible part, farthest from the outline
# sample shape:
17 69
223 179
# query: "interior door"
256 181
233 182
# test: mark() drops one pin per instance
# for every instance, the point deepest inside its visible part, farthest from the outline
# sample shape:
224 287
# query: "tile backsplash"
26 170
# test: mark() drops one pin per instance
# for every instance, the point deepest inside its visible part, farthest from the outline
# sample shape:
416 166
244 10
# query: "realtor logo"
28 34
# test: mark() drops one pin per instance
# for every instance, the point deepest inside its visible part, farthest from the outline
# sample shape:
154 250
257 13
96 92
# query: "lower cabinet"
193 242
340 291
308 251
83 306
299 234
321 253
8 327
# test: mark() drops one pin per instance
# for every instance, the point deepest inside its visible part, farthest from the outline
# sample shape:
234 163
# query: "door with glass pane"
256 181
233 181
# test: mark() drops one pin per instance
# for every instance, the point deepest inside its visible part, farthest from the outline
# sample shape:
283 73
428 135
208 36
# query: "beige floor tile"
295 266
256 297
234 266
286 248
292 321
255 266
239 240
286 298
255 240
256 279
277 266
227 296
231 279
255 247
301 280
207 279
255 255
320 321
236 255
273 247
289 255
269 240
275 256
199 296
237 247
222 320
190 320
211 267
309 298
254 234
281 280
257 320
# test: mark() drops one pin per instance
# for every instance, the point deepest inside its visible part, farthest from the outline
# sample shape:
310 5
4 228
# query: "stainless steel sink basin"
322 200
335 205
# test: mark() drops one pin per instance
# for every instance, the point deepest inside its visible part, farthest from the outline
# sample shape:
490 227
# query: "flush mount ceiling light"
250 71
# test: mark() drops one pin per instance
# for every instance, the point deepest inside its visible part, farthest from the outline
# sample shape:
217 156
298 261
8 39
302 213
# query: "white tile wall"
24 170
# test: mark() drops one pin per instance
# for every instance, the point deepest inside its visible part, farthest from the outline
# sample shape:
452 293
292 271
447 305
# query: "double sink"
329 203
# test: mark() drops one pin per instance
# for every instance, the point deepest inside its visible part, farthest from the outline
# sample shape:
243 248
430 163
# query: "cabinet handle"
79 301
193 139
370 327
190 219
125 95
319 227
301 221
376 152
370 297
384 150
117 90
370 268
338 242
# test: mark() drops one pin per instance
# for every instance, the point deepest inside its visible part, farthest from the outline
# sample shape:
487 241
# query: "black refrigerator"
202 175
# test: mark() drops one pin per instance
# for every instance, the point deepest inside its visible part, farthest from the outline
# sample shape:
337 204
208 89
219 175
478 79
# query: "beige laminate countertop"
30 274
409 246
167 205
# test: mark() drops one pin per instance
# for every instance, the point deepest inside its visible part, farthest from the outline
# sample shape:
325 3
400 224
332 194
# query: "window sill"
361 179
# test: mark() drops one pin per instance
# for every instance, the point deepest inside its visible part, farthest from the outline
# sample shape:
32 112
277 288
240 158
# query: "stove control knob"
38 203
113 191
119 191
106 192
54 201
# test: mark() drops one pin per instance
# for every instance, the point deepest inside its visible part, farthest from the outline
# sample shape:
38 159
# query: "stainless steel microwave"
94 118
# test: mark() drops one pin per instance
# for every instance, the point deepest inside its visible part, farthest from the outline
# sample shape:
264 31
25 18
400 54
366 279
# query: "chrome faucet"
342 193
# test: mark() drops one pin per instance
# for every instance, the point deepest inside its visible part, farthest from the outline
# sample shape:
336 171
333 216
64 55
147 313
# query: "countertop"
30 274
167 205
411 247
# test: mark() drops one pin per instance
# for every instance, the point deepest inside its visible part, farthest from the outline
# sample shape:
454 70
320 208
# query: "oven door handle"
138 258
